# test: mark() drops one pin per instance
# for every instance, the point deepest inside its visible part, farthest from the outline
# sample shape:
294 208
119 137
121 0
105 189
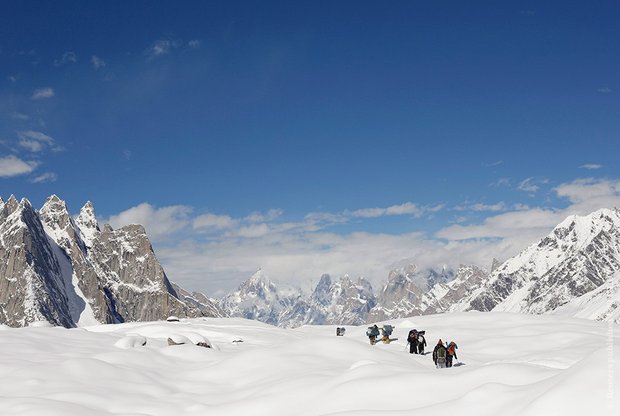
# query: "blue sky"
264 134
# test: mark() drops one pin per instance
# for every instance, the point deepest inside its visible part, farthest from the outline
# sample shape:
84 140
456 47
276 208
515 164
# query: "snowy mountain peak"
577 257
87 222
11 205
55 207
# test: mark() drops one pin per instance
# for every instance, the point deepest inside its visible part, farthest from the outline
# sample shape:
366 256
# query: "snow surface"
509 364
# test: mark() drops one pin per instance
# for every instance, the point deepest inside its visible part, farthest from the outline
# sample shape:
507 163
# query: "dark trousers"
449 361
413 348
421 349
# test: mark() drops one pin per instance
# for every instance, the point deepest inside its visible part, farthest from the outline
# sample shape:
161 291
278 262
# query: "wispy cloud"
35 141
591 166
214 222
97 62
493 164
161 47
14 166
501 182
19 116
44 178
194 43
43 93
604 90
407 208
270 215
480 207
66 58
12 78
531 185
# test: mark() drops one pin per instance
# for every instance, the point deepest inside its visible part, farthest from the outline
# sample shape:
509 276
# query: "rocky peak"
10 206
321 293
87 223
259 286
54 211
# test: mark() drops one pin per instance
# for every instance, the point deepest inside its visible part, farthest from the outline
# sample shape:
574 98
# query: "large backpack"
372 331
387 330
441 353
451 347
413 335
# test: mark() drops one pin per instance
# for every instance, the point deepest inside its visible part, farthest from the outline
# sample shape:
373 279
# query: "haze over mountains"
70 272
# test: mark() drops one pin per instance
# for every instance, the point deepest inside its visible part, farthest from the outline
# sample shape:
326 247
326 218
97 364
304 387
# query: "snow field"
509 364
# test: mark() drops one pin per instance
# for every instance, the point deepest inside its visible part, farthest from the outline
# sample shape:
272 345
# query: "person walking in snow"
439 355
412 339
421 343
451 353
373 333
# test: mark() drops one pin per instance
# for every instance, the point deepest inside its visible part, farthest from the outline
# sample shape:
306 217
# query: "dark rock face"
68 272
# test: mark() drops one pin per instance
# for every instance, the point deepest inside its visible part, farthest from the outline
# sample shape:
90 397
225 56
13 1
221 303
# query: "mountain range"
70 272
575 270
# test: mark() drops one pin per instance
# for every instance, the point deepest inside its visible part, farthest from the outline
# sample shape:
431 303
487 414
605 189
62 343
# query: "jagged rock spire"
87 223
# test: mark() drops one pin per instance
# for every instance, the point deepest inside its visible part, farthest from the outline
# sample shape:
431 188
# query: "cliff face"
69 272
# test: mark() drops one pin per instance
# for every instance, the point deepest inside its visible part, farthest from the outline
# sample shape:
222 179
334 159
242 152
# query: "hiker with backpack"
412 340
440 354
421 342
451 353
387 331
373 333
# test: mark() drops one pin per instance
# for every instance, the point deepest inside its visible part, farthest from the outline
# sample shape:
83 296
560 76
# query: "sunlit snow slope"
509 364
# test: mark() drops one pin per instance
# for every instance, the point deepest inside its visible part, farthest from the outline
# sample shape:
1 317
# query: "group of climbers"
374 331
443 354
416 341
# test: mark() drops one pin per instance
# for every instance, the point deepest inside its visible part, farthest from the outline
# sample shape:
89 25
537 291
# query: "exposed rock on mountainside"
69 272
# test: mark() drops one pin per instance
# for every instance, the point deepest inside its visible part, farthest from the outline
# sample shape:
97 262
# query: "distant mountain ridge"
574 269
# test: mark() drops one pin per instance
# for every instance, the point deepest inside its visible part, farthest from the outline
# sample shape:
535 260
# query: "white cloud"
35 141
97 62
408 208
531 185
14 166
12 78
161 47
270 215
589 194
43 93
525 225
493 164
480 207
604 90
160 223
214 222
194 43
44 178
591 166
501 182
66 58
